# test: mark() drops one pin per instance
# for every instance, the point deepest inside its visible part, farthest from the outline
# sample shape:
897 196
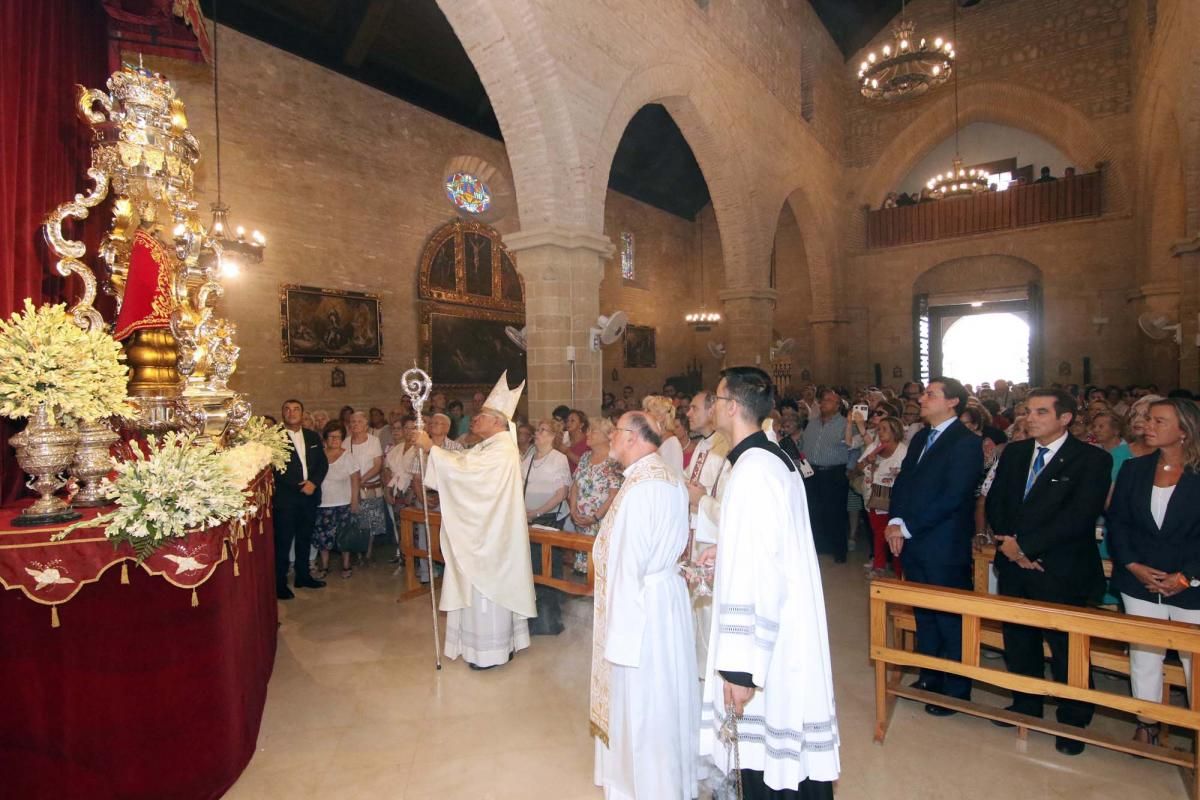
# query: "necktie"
1039 464
933 434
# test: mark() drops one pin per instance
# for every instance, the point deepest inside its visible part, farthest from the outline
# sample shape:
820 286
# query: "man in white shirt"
644 709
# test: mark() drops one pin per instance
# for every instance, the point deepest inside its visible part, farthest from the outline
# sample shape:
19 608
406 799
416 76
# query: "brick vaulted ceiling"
407 49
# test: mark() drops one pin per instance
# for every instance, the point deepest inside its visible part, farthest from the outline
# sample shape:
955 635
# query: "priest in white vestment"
768 659
704 474
644 707
487 586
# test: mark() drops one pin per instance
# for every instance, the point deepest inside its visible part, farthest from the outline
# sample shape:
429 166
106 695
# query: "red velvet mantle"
139 694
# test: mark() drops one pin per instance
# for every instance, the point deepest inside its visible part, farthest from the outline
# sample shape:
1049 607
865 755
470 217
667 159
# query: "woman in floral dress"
339 499
596 481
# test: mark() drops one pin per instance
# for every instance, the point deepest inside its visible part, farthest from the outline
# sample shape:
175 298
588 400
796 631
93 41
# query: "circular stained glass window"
468 193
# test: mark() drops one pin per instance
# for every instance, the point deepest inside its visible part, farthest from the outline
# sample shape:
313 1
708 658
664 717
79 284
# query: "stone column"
562 268
1188 253
749 320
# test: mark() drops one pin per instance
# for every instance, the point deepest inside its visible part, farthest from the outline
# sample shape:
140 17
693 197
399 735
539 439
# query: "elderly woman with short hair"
596 481
367 453
1138 416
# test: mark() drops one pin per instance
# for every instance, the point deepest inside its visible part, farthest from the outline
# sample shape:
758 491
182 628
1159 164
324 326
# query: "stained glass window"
627 255
468 193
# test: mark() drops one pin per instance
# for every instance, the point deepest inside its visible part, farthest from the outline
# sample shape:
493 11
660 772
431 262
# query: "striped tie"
1039 464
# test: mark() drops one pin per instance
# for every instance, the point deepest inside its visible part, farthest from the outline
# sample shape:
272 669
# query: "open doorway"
980 348
979 340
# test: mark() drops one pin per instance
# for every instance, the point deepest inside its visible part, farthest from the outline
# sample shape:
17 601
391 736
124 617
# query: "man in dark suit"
297 495
932 523
1043 504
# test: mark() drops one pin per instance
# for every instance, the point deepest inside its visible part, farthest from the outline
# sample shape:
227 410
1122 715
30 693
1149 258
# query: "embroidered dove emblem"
47 577
185 564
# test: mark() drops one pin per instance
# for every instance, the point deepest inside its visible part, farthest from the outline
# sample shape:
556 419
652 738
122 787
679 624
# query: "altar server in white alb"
704 477
644 707
487 588
768 652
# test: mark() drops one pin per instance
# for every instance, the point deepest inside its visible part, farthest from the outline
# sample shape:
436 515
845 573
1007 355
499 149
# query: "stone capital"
826 319
566 237
1185 246
1153 289
748 294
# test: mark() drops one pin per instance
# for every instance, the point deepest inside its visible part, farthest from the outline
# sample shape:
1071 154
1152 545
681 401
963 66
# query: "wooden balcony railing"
1033 204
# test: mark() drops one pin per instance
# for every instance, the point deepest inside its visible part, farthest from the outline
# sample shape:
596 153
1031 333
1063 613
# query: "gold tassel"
250 543
125 572
236 571
195 599
54 617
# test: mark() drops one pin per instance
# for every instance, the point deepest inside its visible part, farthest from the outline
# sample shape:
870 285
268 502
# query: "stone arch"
816 228
976 273
680 90
520 77
1007 104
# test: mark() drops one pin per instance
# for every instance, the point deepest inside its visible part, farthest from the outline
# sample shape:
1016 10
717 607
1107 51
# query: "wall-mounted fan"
1159 326
608 329
782 347
518 336
717 351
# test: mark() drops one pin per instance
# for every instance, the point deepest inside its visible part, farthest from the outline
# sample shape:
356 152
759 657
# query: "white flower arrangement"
181 487
274 437
244 462
49 359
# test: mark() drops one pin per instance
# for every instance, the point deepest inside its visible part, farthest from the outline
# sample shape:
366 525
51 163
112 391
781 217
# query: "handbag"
352 536
881 498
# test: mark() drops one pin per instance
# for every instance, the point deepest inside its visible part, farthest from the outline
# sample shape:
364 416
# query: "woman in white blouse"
662 411
367 453
547 475
339 499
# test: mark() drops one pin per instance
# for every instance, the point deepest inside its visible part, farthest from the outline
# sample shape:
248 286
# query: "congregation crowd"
1121 481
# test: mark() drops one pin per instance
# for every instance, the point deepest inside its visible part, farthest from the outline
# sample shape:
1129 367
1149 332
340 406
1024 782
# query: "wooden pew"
1108 656
1082 626
552 543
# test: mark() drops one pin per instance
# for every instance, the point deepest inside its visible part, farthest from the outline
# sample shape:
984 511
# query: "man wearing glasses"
768 668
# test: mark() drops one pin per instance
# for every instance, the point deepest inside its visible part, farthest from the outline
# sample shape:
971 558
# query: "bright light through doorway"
984 347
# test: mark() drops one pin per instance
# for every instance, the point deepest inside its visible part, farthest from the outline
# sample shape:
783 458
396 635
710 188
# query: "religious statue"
166 282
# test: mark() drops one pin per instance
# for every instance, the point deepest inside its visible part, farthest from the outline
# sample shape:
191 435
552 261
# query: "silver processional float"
417 385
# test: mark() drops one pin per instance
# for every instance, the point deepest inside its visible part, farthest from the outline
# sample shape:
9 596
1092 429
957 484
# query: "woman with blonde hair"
1154 533
1138 415
662 411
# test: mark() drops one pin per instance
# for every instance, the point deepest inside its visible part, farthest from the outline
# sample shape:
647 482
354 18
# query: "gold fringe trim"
54 623
597 733
195 599
125 573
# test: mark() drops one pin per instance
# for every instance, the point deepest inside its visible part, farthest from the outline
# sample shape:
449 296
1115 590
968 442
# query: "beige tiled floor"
356 710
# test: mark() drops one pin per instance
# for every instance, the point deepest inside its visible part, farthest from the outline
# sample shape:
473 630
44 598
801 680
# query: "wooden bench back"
549 539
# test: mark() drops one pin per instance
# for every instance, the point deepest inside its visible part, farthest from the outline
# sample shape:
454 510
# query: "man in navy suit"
932 523
1048 491
297 495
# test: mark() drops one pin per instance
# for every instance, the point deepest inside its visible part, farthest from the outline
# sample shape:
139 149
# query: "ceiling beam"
369 26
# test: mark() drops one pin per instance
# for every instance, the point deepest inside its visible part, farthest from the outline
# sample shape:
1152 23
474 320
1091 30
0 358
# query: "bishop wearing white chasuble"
487 587
644 706
768 652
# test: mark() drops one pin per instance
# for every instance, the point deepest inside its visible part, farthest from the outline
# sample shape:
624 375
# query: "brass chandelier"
907 68
957 182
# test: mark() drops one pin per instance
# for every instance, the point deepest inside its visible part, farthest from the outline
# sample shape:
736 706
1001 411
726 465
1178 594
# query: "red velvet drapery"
46 47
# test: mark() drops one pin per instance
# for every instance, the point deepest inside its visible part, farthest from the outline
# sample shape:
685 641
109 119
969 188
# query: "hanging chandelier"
957 182
230 244
907 68
702 320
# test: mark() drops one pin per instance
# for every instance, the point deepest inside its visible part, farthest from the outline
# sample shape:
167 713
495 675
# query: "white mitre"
502 399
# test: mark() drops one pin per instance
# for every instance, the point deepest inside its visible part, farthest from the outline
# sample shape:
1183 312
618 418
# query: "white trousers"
1146 663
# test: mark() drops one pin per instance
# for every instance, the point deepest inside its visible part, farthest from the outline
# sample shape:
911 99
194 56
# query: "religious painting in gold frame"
330 325
466 263
473 305
467 349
